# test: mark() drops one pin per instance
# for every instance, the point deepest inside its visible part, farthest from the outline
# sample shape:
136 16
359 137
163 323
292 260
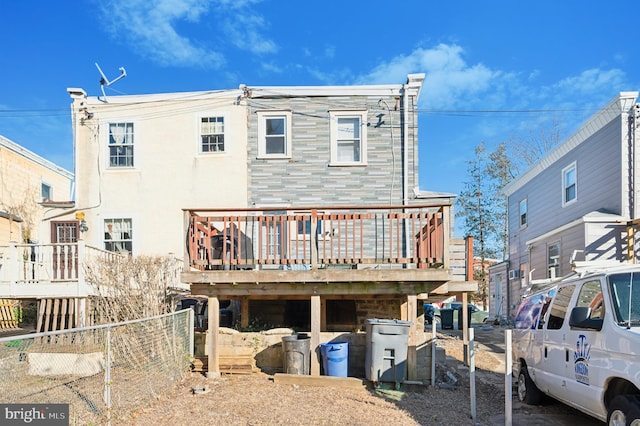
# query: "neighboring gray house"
575 201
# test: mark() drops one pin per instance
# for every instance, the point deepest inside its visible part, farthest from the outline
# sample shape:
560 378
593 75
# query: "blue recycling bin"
335 358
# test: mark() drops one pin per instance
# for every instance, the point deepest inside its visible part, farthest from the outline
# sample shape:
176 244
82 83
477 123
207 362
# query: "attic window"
523 213
46 192
569 184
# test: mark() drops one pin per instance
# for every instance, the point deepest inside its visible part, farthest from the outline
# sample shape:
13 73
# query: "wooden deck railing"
311 238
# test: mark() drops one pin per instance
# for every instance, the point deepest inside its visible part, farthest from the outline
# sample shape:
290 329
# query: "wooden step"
229 364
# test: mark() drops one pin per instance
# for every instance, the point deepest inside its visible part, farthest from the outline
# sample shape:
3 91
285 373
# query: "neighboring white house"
140 160
577 201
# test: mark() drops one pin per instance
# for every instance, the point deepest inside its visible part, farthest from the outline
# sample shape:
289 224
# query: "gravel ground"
257 400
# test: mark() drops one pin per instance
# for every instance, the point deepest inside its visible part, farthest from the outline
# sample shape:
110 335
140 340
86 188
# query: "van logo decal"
581 359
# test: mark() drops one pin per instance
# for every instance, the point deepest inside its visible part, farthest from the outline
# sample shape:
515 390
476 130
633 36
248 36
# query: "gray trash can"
296 350
446 319
386 356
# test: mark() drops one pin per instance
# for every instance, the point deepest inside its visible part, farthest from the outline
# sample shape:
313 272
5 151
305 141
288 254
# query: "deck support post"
315 335
412 355
213 328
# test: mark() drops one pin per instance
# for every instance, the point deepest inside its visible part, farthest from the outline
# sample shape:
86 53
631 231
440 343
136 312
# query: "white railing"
58 270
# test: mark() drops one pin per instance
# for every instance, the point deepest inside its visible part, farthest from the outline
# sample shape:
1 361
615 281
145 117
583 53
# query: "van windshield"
625 298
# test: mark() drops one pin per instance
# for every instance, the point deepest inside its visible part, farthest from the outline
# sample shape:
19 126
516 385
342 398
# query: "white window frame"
44 185
523 213
522 275
117 238
125 144
566 185
550 264
225 132
263 116
334 117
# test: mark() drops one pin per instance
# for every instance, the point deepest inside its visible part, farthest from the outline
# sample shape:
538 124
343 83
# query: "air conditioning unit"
514 274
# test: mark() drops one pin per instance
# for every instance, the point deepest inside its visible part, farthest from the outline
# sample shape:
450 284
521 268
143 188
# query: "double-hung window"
553 260
569 184
523 213
118 235
212 134
274 134
348 137
121 145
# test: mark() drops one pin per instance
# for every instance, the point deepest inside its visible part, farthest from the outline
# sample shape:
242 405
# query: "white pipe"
433 352
508 364
405 161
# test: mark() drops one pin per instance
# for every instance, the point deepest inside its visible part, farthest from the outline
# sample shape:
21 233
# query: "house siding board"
598 161
605 241
308 175
605 196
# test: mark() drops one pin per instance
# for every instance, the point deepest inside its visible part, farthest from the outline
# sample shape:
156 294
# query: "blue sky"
495 70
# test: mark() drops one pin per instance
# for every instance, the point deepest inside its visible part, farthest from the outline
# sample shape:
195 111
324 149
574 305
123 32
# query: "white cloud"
449 80
593 81
243 32
153 29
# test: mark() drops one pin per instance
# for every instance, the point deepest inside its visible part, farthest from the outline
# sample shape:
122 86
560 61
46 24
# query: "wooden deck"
402 253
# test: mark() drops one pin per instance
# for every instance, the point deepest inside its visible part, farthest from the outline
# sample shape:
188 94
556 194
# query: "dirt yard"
257 400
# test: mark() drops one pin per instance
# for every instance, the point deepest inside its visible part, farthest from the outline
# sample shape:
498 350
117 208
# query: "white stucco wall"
169 174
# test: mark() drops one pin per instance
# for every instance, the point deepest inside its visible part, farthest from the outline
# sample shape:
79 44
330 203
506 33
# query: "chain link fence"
103 372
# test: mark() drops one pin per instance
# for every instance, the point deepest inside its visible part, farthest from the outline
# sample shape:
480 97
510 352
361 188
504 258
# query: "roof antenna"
104 81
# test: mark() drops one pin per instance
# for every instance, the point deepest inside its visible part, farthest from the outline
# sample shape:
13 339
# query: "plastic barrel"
335 358
446 319
296 354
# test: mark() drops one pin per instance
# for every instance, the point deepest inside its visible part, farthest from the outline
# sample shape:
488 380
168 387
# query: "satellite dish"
105 81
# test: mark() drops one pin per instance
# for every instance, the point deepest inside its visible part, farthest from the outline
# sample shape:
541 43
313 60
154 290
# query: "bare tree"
501 172
129 287
534 145
475 206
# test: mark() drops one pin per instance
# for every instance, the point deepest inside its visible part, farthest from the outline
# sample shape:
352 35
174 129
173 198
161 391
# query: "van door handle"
566 355
545 351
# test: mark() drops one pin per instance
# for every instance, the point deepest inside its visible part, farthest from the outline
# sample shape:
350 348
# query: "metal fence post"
107 377
472 374
508 365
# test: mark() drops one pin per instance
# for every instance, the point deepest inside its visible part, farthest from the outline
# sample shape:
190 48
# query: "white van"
577 339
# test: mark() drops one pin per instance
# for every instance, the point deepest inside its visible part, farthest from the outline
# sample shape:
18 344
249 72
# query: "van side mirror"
580 319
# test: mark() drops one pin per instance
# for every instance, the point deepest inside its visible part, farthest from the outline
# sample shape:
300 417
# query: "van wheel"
528 392
624 411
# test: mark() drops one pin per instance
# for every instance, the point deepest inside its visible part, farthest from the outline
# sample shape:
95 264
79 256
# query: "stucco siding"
170 173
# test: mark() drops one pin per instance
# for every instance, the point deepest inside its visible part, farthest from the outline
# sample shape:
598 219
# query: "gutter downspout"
405 161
